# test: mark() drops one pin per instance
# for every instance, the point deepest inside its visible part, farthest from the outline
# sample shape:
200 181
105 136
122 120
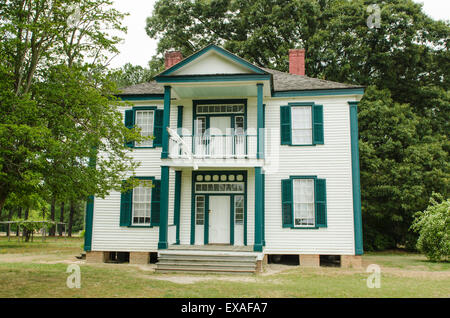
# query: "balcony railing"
215 146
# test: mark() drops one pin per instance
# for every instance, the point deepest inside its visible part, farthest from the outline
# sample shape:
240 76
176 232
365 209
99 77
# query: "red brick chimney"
297 61
171 58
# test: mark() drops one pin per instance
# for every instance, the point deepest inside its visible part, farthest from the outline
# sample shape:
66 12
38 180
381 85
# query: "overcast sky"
137 48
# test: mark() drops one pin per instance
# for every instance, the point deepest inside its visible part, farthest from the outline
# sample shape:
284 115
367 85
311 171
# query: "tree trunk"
26 233
71 214
61 219
19 215
51 231
11 211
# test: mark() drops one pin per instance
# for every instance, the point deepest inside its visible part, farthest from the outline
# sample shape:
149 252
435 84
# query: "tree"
130 74
433 225
47 135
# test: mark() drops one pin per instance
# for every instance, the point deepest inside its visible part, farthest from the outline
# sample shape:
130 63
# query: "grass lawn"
38 269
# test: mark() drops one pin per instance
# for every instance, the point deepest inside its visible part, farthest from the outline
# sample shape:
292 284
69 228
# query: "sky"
137 48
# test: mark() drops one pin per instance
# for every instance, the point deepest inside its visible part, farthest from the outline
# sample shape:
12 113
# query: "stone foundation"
309 260
141 258
351 261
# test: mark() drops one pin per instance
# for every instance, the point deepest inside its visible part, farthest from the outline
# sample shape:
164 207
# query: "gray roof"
281 81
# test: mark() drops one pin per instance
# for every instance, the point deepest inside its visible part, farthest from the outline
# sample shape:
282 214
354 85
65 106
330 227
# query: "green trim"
166 123
205 219
89 223
193 210
232 220
319 92
356 185
177 204
258 244
212 78
207 49
313 106
164 211
260 121
179 118
139 97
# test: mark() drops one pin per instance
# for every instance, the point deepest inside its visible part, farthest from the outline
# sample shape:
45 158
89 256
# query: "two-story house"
256 162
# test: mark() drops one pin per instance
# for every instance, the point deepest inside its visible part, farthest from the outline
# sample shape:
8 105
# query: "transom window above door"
221 109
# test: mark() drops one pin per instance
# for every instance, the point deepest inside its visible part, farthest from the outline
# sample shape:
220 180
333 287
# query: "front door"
219 219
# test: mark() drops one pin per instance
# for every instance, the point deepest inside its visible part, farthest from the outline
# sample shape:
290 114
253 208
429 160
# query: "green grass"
403 275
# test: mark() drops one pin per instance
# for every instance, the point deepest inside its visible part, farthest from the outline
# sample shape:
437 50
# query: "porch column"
260 120
166 123
258 245
164 208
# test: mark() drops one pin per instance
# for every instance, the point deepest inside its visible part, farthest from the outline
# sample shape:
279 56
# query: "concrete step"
205 264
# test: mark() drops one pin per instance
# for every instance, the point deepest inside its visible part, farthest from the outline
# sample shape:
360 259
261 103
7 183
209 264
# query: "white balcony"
215 147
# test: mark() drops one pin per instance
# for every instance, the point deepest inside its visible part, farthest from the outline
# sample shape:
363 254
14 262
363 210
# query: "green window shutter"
321 202
318 125
158 128
129 123
126 203
156 203
285 125
286 203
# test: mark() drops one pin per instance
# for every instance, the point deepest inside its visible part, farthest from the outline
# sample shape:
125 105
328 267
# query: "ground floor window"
142 198
304 202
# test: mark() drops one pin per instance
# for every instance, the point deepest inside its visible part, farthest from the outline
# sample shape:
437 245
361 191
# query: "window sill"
141 226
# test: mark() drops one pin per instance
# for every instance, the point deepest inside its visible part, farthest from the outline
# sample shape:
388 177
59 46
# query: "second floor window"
144 120
301 125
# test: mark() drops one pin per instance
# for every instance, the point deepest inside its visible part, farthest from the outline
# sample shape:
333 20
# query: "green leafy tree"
55 111
130 74
433 225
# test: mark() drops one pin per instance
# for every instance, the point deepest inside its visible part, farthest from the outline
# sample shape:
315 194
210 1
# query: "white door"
219 219
219 130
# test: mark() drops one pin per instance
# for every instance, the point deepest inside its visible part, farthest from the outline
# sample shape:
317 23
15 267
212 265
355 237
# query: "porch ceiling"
225 89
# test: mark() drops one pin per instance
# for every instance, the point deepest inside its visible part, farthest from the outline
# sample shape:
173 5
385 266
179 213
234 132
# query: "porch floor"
212 247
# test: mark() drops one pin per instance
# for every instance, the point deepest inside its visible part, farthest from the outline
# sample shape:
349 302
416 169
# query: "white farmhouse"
256 163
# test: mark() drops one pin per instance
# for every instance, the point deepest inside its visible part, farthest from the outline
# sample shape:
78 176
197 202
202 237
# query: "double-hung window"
301 124
145 120
301 121
304 212
142 198
150 120
303 202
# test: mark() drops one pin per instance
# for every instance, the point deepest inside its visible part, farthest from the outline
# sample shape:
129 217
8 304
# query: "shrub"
433 226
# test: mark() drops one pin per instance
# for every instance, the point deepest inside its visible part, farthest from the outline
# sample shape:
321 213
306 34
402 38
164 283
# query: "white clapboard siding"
331 161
